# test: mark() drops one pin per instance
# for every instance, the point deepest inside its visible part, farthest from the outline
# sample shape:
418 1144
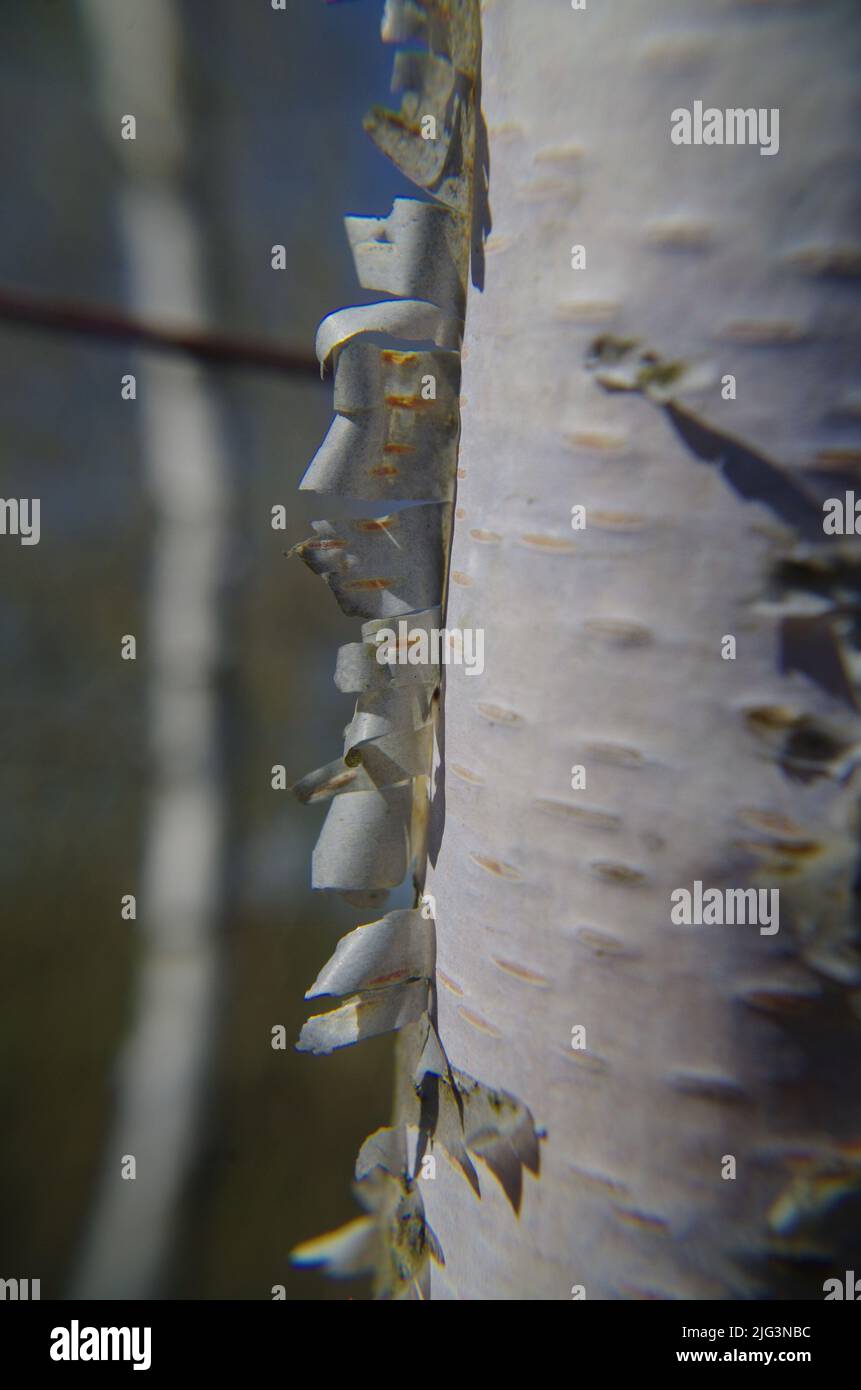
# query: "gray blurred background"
274 152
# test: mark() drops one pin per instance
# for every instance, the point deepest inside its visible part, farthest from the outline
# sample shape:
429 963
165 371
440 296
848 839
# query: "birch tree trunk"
164 1068
604 651
642 841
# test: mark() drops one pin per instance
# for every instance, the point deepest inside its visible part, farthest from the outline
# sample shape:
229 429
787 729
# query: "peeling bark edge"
395 435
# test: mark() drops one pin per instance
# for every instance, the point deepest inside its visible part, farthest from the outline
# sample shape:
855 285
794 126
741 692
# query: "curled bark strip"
395 436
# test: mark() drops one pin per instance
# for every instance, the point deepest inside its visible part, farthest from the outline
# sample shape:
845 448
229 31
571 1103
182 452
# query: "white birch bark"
603 649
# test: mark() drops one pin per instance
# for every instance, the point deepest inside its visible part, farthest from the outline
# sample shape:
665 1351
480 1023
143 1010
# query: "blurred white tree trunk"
603 650
166 1060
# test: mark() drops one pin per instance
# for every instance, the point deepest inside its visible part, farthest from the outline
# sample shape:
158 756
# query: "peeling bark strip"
395 436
